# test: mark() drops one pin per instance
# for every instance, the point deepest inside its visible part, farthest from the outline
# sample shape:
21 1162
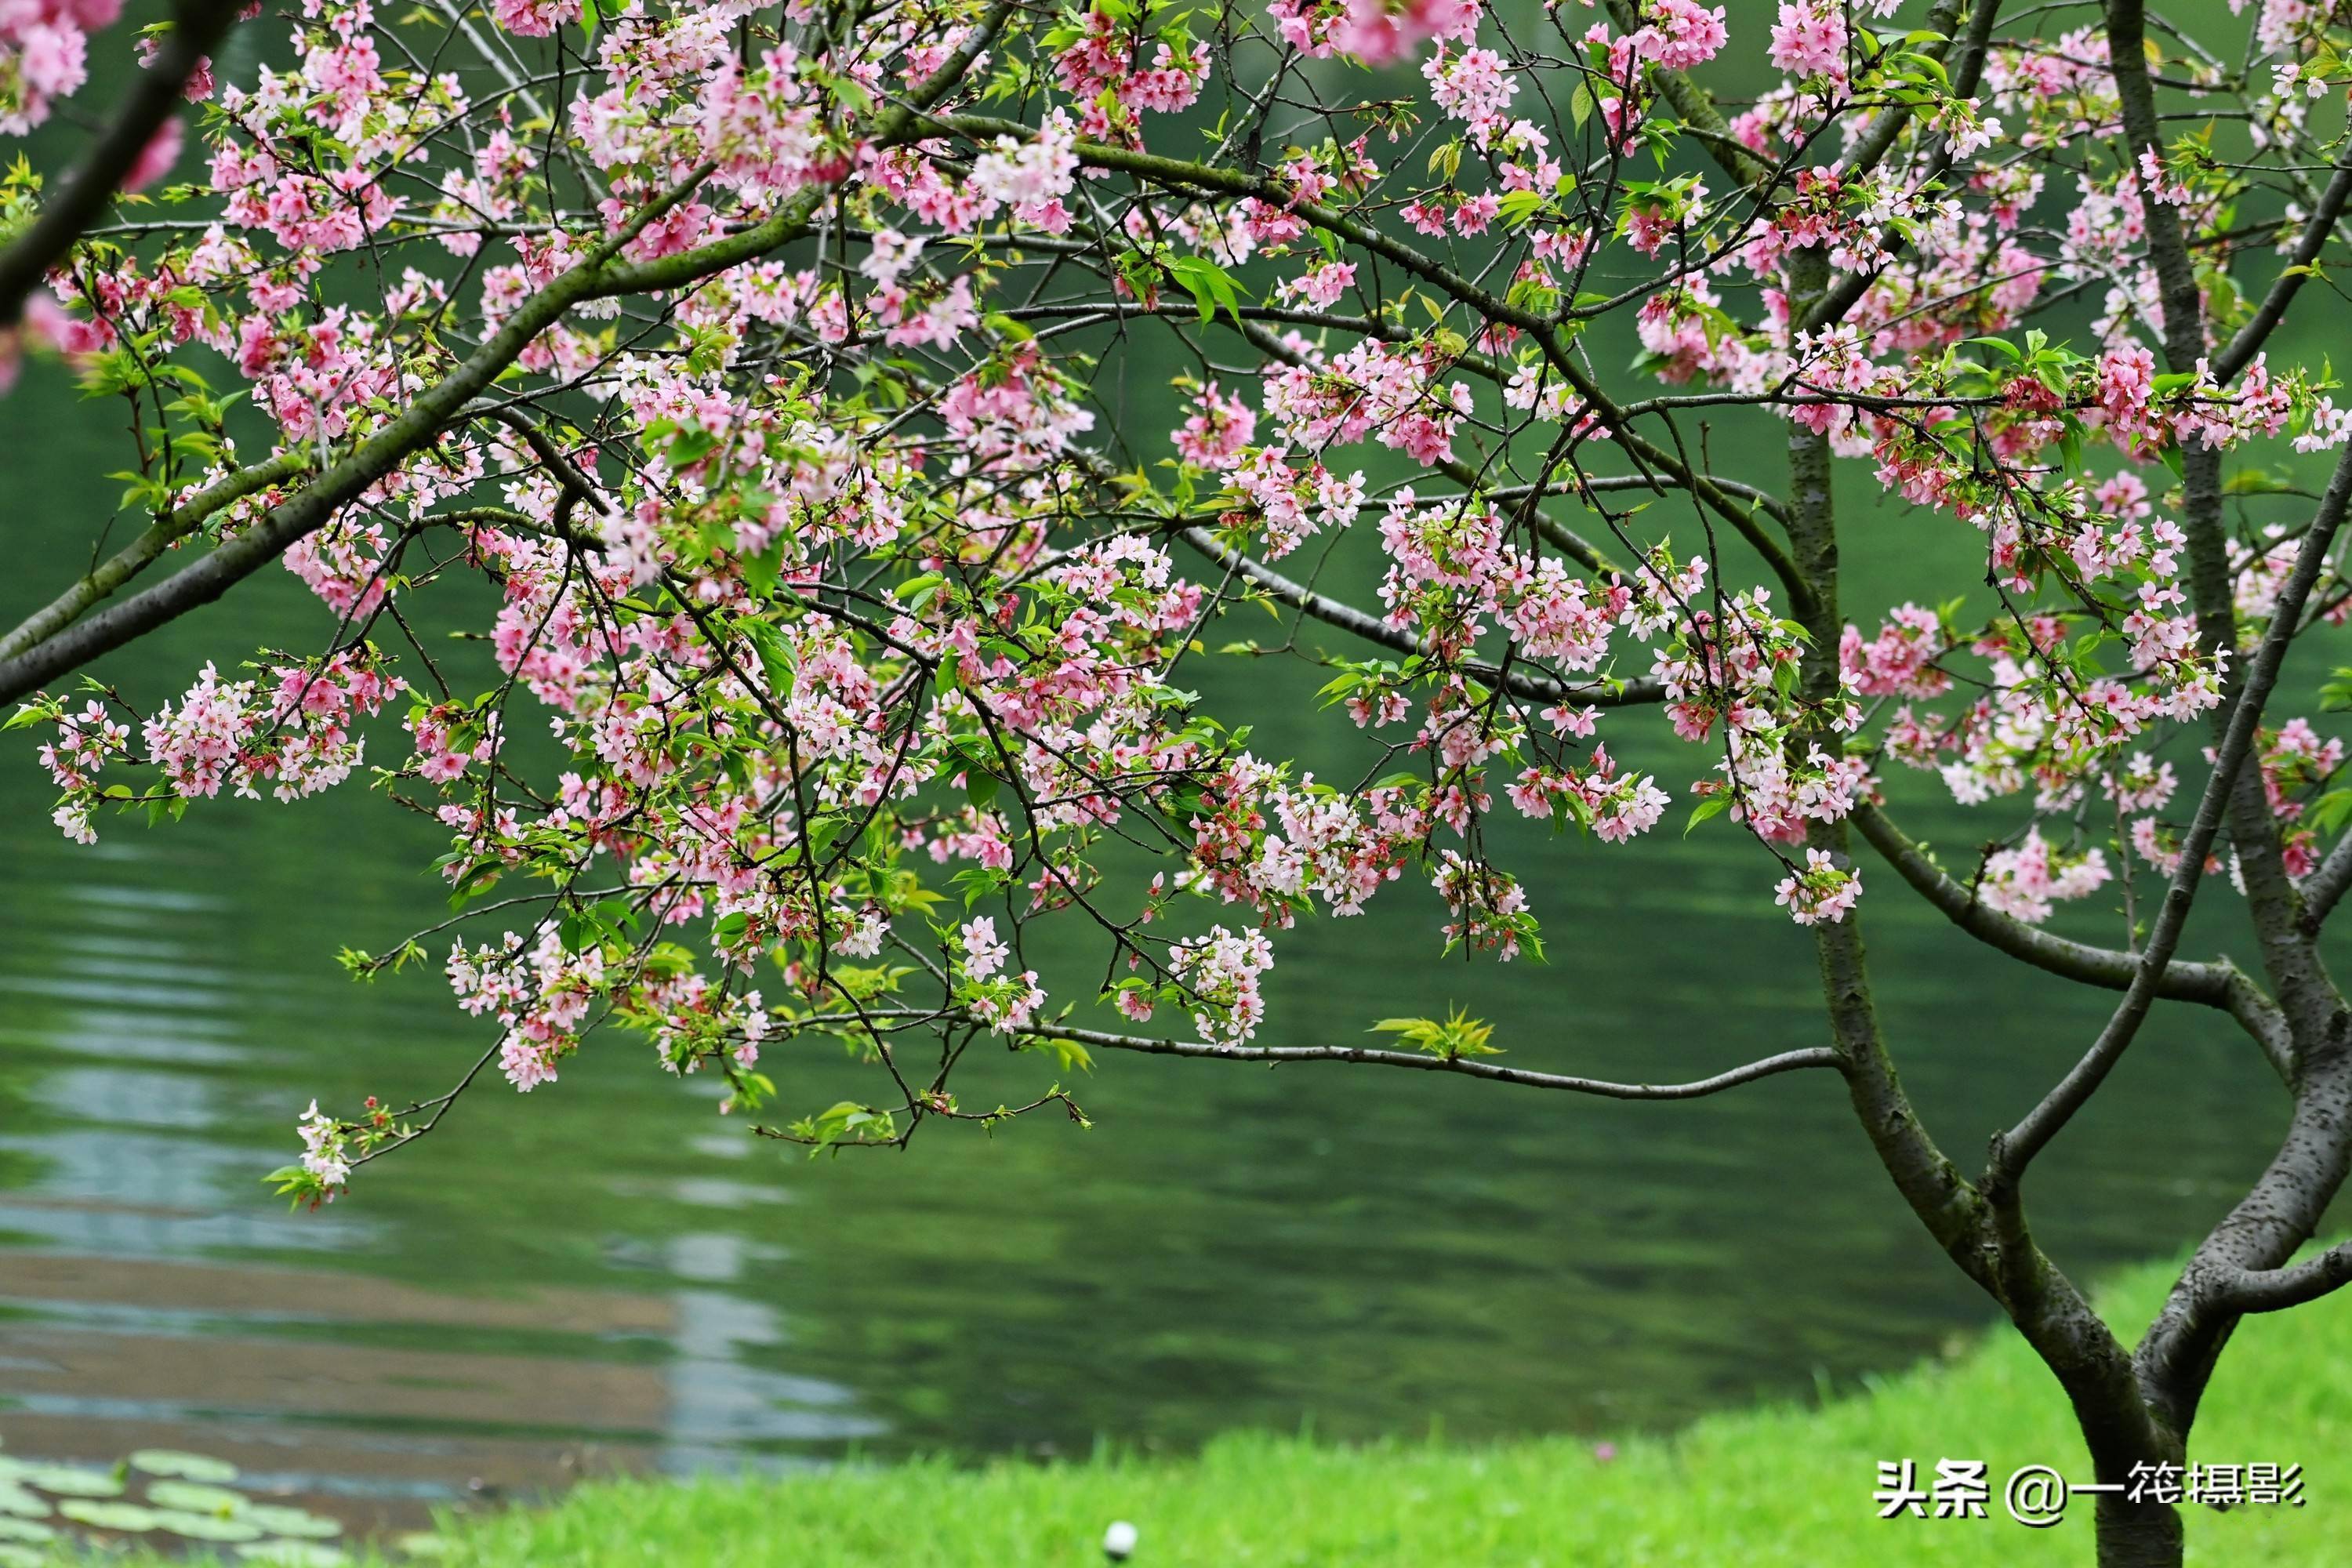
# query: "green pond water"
606 1275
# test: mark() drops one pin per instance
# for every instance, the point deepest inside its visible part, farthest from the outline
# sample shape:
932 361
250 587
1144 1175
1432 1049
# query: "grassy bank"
1750 1489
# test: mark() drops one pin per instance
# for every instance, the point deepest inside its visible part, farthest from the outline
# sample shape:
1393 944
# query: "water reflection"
128 1320
374 1399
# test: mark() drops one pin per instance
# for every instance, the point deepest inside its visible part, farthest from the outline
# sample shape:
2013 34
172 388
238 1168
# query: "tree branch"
1176 173
543 446
598 276
1879 136
2216 985
2274 1289
1849 290
1696 106
1768 1067
2016 1149
2325 887
2251 337
1372 629
1951 1209
151 544
2290 957
197 29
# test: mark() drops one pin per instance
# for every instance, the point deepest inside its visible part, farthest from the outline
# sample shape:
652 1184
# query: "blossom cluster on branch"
867 417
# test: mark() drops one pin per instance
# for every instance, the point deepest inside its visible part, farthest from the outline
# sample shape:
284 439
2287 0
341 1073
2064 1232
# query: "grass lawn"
1746 1489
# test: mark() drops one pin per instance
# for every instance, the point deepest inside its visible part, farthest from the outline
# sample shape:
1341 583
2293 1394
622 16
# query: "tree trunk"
2138 1534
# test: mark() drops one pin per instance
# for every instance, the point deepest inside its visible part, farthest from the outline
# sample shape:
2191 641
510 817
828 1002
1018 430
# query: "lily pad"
293 1554
195 1497
205 1526
21 1556
16 1500
25 1530
72 1480
185 1467
280 1521
421 1543
134 1518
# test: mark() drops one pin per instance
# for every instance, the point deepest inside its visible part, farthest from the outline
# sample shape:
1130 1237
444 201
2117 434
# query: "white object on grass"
1118 1541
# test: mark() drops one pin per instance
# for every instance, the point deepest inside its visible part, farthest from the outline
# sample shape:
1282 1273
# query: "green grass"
1748 1489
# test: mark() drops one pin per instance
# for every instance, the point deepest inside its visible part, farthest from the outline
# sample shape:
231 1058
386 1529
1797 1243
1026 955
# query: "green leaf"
775 653
1454 1036
819 836
1708 805
1211 286
184 1466
1072 1054
194 1497
2331 810
472 885
131 1517
761 570
279 1520
1518 206
978 882
71 1480
295 1185
207 1526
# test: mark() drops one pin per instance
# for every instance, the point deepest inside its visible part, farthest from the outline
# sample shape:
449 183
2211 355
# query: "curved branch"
2015 1150
1769 1067
559 462
1879 137
143 552
2274 1289
2251 337
2215 984
2325 887
236 559
1372 629
1773 505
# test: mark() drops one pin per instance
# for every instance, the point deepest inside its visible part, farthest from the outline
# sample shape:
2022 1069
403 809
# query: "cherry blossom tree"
765 364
